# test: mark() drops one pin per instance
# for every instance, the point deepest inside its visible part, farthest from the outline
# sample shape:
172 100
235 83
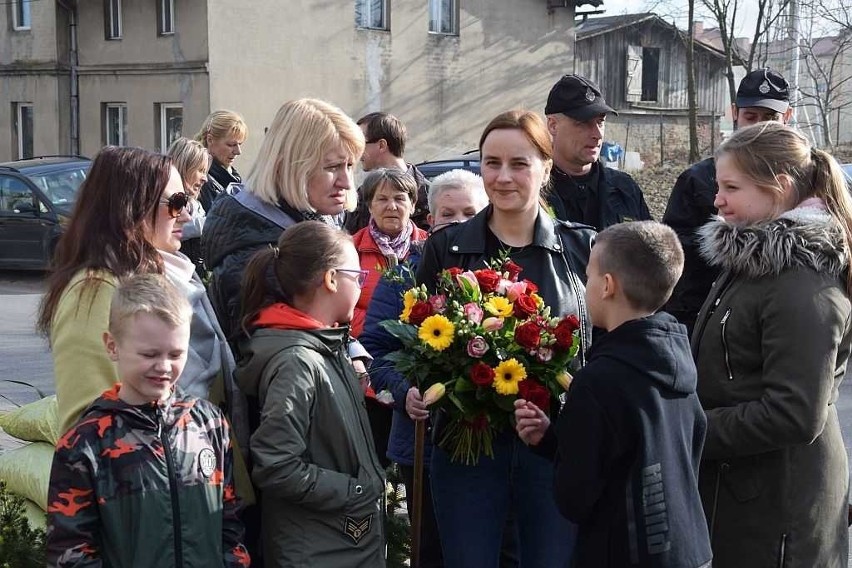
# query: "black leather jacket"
559 250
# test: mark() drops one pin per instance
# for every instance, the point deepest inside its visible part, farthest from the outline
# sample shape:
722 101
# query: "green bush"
20 545
397 529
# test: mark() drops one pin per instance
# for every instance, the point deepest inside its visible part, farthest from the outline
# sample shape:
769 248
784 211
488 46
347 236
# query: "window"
21 16
443 17
170 119
643 74
112 19
16 198
372 14
115 124
24 129
165 17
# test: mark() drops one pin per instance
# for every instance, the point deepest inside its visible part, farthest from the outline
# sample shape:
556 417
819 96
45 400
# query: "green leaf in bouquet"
405 332
505 401
463 385
455 400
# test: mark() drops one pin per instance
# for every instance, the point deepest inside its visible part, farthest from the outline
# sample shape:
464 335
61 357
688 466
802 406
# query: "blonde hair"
221 124
188 156
764 152
148 294
300 135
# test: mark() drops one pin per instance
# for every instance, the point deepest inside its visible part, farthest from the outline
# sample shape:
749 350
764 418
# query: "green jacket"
145 486
771 345
321 486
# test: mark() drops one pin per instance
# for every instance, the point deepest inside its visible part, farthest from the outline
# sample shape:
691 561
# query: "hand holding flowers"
531 422
481 341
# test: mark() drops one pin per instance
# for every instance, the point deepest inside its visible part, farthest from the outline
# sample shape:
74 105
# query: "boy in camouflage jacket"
145 476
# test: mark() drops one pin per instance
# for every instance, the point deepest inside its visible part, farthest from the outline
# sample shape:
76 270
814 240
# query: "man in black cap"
763 95
582 189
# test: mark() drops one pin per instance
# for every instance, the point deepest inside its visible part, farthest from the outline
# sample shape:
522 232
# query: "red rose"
488 279
564 333
531 287
528 335
419 312
513 270
524 307
482 375
533 391
573 321
454 271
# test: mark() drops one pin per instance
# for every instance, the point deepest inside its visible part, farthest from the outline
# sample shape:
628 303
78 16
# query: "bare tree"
691 94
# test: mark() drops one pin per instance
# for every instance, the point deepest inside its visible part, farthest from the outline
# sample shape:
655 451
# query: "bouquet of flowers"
481 341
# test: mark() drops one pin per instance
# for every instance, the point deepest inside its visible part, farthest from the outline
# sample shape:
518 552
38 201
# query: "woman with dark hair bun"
131 201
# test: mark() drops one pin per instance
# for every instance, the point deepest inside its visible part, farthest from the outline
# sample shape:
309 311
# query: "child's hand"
414 405
530 422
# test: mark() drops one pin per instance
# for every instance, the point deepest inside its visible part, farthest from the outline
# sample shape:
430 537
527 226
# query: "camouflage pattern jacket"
145 486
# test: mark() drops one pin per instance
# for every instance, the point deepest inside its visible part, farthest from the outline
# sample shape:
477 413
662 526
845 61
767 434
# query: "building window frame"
113 24
165 17
22 17
164 122
24 129
372 14
115 113
444 17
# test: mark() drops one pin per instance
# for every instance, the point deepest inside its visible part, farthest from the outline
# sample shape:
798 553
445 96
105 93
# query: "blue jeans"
472 503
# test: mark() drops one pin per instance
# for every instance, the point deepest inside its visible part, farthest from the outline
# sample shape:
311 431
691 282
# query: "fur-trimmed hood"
805 237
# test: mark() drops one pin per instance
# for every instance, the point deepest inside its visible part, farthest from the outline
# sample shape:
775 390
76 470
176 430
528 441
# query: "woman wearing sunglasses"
112 234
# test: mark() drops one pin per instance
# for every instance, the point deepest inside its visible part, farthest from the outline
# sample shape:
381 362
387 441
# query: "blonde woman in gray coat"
771 345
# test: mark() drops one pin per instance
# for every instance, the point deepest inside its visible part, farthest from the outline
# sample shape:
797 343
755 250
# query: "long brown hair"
303 254
764 152
107 229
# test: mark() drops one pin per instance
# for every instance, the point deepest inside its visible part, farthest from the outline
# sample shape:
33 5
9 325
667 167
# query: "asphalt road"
26 357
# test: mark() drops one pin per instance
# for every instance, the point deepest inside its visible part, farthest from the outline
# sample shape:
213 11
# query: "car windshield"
60 187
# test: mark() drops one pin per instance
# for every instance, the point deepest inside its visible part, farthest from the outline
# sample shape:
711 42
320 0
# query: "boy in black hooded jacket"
628 440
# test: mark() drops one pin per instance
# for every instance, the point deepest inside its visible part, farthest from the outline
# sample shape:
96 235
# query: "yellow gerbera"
507 376
437 332
408 300
498 306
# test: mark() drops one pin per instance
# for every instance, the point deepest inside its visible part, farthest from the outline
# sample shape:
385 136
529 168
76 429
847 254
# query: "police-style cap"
764 88
578 98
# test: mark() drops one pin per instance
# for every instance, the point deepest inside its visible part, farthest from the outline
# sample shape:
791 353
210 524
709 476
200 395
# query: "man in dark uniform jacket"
762 96
582 189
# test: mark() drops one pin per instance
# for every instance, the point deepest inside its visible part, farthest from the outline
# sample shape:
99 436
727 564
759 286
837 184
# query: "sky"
615 7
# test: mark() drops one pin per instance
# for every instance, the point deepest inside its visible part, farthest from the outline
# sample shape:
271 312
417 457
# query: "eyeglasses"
360 276
176 203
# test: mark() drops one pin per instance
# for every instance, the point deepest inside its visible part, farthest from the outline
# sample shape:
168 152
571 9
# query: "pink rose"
473 312
516 289
467 281
492 324
439 302
477 347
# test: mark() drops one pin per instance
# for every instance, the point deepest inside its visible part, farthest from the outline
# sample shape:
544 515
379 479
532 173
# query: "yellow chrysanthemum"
408 300
437 332
507 376
498 306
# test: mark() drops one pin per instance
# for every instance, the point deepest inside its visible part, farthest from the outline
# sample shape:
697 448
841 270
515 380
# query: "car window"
16 197
60 187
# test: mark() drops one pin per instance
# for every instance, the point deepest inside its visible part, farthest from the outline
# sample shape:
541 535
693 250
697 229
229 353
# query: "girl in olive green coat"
771 345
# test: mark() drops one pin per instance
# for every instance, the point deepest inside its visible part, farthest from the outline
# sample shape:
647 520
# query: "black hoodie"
629 444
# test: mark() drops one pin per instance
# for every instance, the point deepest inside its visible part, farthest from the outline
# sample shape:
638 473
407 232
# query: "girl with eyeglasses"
320 480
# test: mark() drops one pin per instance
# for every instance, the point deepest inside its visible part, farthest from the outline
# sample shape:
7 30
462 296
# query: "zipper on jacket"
782 551
723 323
723 467
170 465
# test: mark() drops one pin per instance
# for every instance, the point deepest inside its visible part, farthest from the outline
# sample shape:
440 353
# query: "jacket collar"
471 236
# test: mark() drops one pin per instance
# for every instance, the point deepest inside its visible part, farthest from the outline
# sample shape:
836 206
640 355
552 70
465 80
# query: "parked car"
847 169
467 161
37 196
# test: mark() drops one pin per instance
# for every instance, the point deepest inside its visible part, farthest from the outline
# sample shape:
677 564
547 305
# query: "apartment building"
77 75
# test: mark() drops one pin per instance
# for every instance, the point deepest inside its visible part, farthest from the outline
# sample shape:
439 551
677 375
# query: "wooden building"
639 62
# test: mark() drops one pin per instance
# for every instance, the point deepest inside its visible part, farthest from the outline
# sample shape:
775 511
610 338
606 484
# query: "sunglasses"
176 203
360 276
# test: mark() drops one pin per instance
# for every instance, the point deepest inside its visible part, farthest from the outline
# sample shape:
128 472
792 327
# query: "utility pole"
794 35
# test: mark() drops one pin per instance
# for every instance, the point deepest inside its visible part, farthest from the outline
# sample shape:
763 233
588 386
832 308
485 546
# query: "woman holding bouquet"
771 344
472 501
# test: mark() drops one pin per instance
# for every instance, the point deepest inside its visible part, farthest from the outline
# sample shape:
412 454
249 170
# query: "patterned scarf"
393 248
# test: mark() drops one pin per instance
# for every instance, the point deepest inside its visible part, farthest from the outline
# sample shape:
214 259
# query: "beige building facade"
79 74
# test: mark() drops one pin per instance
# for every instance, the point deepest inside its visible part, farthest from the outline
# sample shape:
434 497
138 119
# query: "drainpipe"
73 62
